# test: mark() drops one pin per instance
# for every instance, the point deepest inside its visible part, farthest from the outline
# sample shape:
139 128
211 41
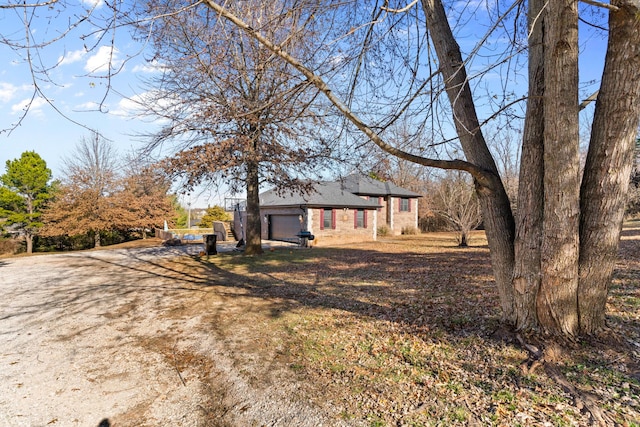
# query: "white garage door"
284 227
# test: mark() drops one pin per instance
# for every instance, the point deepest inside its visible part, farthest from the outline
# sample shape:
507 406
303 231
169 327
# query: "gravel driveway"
83 342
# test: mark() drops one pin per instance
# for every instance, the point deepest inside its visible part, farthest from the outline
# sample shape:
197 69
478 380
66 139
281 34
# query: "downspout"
390 214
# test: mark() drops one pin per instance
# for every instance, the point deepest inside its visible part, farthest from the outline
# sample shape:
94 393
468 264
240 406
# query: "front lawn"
405 331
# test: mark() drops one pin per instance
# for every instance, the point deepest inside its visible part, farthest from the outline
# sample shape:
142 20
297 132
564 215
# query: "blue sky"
78 85
78 89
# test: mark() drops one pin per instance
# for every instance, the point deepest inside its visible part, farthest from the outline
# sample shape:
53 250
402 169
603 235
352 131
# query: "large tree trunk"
526 274
28 235
463 239
253 238
608 166
557 302
28 238
496 210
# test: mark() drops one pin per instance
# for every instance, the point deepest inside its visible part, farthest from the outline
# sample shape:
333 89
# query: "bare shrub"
383 230
410 230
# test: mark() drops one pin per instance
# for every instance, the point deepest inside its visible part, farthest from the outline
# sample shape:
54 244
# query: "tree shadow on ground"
446 293
630 232
451 290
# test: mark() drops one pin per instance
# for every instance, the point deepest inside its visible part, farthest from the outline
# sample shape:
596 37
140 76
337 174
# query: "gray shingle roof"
326 194
366 186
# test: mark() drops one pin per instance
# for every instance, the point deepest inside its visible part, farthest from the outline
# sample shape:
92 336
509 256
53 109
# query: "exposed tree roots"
547 358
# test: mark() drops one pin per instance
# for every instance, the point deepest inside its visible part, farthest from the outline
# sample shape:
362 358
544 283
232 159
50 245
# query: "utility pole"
189 215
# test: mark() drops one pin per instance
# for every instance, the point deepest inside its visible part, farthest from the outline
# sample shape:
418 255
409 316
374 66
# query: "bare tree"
235 111
505 147
455 199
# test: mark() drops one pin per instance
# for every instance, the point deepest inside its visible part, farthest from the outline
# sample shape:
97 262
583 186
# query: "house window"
405 205
327 219
360 218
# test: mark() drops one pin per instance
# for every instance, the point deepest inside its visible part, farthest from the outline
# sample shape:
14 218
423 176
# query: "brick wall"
402 219
344 230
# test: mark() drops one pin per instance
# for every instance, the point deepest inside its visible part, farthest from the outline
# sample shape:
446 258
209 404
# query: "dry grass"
150 242
402 332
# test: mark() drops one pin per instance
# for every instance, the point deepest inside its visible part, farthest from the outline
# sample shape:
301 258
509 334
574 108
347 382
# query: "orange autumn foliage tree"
145 199
94 198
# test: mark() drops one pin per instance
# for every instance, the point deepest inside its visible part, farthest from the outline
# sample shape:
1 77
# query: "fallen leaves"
402 333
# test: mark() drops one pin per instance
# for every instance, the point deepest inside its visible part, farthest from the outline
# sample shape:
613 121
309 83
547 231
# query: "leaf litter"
406 332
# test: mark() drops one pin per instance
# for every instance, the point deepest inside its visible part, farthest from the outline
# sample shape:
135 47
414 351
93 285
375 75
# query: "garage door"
284 227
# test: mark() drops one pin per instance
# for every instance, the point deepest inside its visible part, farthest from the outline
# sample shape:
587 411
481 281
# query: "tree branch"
404 9
600 4
484 177
589 100
28 6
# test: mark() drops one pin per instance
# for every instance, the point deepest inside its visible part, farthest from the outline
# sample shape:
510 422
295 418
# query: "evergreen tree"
24 192
215 213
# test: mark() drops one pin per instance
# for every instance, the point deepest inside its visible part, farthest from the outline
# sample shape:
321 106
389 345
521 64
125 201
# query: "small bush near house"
383 230
409 231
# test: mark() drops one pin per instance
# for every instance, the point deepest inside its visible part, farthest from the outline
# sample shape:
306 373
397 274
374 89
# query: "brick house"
343 211
399 206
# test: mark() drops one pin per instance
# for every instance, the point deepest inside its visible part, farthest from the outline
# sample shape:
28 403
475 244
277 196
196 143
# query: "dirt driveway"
88 339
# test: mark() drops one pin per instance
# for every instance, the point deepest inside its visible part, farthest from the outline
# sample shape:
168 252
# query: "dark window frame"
360 218
326 217
404 204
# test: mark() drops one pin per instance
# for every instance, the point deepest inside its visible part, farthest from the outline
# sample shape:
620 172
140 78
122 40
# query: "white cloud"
93 3
7 91
71 57
34 107
149 67
128 107
104 58
338 59
135 105
87 106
